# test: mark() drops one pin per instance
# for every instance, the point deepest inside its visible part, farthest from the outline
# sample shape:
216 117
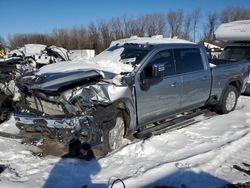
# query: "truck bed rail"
221 61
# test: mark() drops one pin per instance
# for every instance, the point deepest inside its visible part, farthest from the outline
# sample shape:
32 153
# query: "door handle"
174 84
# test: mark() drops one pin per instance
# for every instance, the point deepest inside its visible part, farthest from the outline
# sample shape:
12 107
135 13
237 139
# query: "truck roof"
158 39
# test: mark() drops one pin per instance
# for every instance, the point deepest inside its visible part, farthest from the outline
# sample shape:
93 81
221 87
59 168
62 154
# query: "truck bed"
224 70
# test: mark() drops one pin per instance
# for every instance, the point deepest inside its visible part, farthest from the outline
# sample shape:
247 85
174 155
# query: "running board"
170 125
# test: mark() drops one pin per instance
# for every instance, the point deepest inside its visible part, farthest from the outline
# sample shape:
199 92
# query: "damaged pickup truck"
134 83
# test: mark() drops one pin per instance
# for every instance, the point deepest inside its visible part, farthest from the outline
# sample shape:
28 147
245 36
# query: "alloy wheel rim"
230 101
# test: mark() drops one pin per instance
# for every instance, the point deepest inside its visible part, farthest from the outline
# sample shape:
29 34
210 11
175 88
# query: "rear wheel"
229 100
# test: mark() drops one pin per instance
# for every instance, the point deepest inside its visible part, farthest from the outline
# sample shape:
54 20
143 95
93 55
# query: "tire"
247 90
115 137
5 108
229 100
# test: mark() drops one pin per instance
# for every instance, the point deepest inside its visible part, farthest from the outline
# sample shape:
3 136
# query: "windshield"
126 54
236 53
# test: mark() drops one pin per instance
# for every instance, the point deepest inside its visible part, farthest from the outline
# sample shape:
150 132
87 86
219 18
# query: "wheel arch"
128 112
235 82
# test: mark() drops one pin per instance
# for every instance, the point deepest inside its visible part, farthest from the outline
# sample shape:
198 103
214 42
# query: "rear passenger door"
196 78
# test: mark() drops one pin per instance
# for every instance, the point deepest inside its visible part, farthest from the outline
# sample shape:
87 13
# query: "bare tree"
226 15
175 19
98 35
134 26
19 40
230 14
212 22
150 25
187 27
94 37
117 29
2 43
62 38
195 17
242 14
82 38
105 34
155 24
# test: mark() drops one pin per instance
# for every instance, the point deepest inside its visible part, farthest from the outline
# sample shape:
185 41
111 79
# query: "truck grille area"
44 107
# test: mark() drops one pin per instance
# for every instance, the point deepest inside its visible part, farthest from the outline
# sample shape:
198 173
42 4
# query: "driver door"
158 97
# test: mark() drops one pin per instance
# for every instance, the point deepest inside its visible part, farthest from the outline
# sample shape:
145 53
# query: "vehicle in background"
2 53
131 87
213 51
237 36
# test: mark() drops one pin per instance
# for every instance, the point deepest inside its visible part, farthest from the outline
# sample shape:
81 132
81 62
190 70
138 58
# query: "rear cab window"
188 60
236 53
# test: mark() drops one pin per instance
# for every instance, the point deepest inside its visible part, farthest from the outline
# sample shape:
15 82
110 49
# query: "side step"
175 123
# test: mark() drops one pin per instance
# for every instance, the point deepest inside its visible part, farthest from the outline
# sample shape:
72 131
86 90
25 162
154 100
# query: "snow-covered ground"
200 155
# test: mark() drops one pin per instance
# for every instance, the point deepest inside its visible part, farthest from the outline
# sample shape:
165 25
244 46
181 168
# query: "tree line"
98 35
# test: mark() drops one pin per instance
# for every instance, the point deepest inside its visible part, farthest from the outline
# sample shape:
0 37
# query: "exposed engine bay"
25 60
77 108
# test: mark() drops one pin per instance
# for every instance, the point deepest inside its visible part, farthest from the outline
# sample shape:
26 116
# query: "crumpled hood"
111 67
66 66
56 82
64 75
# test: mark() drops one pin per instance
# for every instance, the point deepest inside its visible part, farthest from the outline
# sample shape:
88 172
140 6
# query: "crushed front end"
63 128
82 99
66 106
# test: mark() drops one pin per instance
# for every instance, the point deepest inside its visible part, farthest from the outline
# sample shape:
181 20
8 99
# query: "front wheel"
229 100
116 134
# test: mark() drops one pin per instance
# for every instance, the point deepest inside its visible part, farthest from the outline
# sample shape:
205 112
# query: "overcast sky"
42 16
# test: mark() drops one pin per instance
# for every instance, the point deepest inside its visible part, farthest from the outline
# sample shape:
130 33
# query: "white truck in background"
237 36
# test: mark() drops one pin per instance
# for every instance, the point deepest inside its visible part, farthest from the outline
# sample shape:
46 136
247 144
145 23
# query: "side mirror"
158 70
151 75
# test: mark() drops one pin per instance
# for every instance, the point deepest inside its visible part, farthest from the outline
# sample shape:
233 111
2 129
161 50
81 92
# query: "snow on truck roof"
158 39
234 31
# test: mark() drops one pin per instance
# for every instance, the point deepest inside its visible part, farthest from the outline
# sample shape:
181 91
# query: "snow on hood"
66 66
110 61
106 61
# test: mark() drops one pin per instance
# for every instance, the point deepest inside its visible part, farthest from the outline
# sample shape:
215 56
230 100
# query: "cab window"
163 57
188 60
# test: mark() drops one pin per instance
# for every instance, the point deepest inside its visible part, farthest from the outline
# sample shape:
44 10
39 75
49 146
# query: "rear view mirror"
158 70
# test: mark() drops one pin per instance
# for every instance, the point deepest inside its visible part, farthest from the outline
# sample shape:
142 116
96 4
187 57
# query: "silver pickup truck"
134 83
